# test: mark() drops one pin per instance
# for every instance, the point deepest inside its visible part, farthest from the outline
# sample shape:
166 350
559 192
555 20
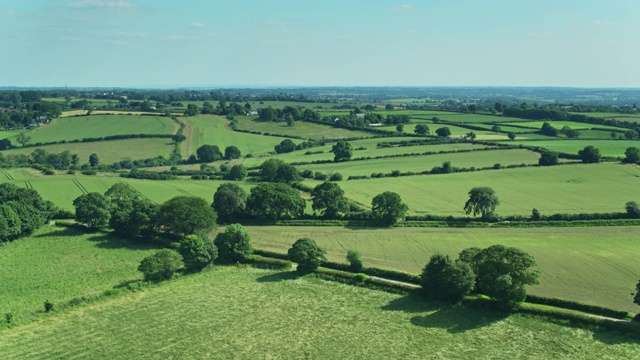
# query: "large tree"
276 170
632 155
186 215
131 215
237 172
209 153
342 151
231 152
548 158
443 132
229 201
234 244
197 252
387 208
329 198
10 225
446 280
307 254
589 155
92 209
421 129
285 146
275 201
482 200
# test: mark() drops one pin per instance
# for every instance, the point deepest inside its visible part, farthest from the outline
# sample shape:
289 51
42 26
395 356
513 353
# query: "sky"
250 43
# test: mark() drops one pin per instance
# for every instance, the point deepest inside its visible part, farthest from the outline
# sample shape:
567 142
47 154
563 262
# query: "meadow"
10 133
560 124
306 130
250 313
594 265
77 128
615 148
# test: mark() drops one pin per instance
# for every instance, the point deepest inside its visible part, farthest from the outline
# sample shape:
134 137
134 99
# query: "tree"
446 280
237 172
185 215
631 134
161 266
23 139
511 135
275 201
548 130
307 254
10 224
387 208
285 146
482 200
421 129
131 215
276 170
342 151
548 158
400 128
535 215
443 132
355 261
589 155
496 128
389 107
499 107
633 209
632 155
234 244
92 209
197 253
229 201
192 110
5 144
329 198
471 135
208 153
94 160
231 152
503 273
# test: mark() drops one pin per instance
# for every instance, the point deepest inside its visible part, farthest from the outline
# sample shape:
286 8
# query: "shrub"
633 209
355 261
197 253
48 306
234 244
161 266
336 177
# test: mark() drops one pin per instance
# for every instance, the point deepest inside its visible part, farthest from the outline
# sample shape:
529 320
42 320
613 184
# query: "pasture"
250 313
615 148
10 133
560 124
306 130
77 128
596 265
59 264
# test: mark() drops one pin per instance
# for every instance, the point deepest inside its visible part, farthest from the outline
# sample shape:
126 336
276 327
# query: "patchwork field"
304 129
606 147
595 265
248 313
560 124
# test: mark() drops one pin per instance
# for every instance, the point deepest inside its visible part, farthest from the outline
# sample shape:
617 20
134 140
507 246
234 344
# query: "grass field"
595 265
75 128
58 264
471 118
71 113
427 162
606 147
108 151
560 124
304 129
214 130
249 313
10 133
603 187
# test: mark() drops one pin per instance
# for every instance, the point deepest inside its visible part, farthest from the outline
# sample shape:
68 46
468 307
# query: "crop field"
594 265
250 313
94 126
304 129
593 188
427 162
108 151
606 147
59 264
214 130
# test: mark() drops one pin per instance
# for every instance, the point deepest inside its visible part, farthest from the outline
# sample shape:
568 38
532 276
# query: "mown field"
606 147
249 313
108 151
59 264
594 265
77 128
304 129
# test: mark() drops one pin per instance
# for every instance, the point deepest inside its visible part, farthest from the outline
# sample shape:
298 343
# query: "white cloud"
403 7
197 25
182 38
101 4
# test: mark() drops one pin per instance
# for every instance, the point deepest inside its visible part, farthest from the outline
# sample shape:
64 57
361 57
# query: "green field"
606 147
108 151
59 264
560 124
471 118
303 129
249 314
214 130
593 188
596 265
10 133
76 128
427 162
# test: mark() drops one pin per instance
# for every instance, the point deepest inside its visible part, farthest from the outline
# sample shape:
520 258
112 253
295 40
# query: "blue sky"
142 43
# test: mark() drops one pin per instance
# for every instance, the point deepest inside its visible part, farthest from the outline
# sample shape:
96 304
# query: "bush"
197 253
307 254
355 261
336 177
161 266
234 244
48 306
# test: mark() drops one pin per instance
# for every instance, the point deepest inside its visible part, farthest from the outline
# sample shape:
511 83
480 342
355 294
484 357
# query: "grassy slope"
74 128
58 264
606 147
10 133
248 314
593 265
108 151
603 187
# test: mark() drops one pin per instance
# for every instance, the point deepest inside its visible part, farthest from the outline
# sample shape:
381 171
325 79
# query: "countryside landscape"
369 219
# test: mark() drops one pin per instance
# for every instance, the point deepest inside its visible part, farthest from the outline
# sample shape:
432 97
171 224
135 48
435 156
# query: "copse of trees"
632 155
276 170
23 211
548 130
232 152
446 280
285 146
421 129
548 158
275 201
131 215
209 153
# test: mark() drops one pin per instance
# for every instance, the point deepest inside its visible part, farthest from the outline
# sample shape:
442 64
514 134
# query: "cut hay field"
603 187
250 313
108 151
596 265
606 147
76 128
303 129
71 113
427 162
214 130
59 264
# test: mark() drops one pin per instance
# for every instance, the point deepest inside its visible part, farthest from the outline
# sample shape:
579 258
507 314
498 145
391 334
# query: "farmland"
560 124
613 148
576 263
10 133
246 313
302 129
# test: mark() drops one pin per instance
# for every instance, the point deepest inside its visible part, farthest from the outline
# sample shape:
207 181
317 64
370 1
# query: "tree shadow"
130 284
460 319
279 276
613 337
108 241
412 303
67 231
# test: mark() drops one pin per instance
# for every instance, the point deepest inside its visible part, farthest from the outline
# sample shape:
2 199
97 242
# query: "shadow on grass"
107 241
61 233
413 303
129 284
613 337
279 276
457 320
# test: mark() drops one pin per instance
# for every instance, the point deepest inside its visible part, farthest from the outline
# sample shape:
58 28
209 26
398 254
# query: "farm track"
139 193
28 184
9 177
188 133
80 186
